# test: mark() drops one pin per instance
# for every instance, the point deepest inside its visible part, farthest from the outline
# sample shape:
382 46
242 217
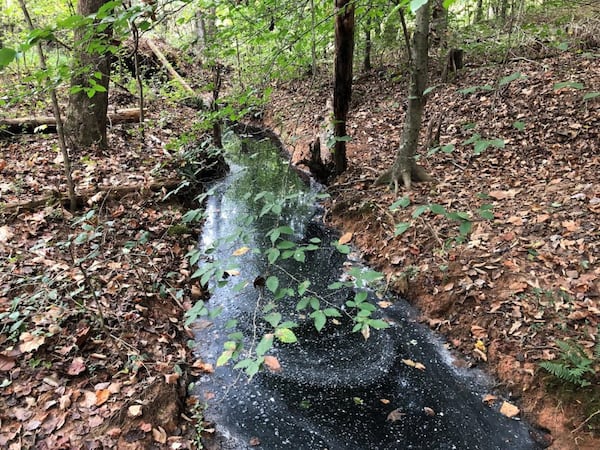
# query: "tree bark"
86 118
368 46
405 168
479 11
342 87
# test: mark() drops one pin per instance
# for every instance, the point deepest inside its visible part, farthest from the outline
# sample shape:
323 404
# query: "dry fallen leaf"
5 233
6 363
346 237
134 411
395 415
509 410
159 435
30 342
254 442
411 363
77 366
272 363
429 411
241 251
102 396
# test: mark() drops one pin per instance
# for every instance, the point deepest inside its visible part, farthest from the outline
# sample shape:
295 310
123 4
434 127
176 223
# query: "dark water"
335 390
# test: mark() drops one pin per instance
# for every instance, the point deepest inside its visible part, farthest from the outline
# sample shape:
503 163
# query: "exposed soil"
519 282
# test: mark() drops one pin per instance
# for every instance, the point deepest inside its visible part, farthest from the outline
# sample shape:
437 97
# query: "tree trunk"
86 117
342 87
439 27
368 46
479 11
404 168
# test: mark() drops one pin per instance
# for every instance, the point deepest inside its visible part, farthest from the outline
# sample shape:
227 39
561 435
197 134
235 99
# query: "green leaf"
272 283
485 212
264 345
302 287
302 304
284 245
272 255
519 125
400 203
568 84
591 95
378 324
419 210
286 335
331 312
438 209
273 319
224 358
511 78
447 148
320 318
314 303
6 56
299 255
253 368
360 297
401 228
343 249
465 228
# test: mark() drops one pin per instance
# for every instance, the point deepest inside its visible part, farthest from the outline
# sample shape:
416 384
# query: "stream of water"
336 390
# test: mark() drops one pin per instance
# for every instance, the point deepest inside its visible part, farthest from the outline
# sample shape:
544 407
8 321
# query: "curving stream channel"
335 390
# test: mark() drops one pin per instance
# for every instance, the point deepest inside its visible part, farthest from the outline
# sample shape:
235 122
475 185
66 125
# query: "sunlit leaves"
6 56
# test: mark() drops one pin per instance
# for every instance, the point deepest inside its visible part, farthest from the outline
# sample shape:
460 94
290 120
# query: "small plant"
573 364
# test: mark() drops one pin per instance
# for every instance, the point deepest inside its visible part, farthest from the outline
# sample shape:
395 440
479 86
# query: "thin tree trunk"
56 109
342 86
368 46
405 168
406 35
313 38
86 119
479 11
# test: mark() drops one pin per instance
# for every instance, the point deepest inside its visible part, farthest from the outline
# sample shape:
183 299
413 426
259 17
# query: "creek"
335 390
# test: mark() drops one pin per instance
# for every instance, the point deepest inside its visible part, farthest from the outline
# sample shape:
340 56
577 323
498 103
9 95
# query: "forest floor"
520 281
93 341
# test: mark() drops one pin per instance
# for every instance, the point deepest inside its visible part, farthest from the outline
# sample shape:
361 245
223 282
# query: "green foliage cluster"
462 218
573 364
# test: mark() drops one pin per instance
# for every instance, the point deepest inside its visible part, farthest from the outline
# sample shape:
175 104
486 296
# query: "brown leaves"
30 342
77 366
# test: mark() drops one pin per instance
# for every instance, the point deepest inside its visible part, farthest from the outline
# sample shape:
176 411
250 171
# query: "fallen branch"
92 195
167 65
30 124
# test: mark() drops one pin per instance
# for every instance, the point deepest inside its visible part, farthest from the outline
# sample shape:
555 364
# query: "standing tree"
405 169
88 103
342 85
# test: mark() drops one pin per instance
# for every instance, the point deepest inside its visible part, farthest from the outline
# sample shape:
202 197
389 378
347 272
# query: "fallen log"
47 124
91 196
204 97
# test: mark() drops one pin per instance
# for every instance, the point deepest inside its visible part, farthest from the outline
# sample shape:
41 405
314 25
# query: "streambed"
336 390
